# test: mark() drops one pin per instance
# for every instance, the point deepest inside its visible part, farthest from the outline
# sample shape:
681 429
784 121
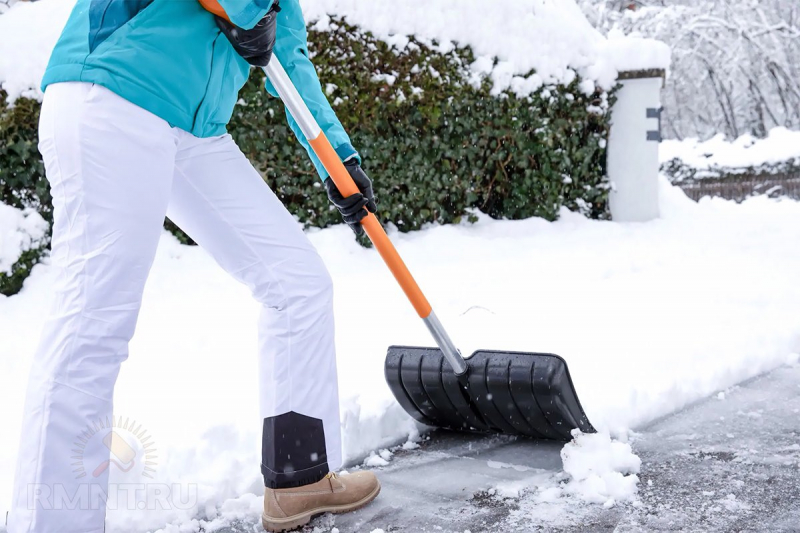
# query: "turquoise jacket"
169 57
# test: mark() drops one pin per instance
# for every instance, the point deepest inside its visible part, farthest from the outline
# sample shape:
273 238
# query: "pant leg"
220 200
110 167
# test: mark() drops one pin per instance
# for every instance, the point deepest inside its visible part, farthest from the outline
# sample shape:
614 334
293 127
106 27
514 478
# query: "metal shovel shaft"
330 160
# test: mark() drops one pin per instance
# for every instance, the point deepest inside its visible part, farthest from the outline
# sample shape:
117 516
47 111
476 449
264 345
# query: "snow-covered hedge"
435 140
503 109
746 158
521 45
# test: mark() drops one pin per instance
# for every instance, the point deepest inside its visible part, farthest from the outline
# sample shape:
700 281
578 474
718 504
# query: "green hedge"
437 144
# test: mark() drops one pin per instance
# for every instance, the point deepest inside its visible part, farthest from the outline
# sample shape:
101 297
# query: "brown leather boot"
286 509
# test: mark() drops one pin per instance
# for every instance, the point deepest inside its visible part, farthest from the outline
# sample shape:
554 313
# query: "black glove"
255 45
352 207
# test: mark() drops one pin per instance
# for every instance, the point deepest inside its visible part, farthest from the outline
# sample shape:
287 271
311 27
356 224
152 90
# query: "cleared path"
730 463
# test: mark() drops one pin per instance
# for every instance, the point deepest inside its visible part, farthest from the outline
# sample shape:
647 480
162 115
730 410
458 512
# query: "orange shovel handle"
214 7
333 164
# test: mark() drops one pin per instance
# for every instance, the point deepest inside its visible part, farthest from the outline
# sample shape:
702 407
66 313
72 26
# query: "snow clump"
601 470
20 230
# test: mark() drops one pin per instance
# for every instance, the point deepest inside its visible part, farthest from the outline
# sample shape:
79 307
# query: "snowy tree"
736 63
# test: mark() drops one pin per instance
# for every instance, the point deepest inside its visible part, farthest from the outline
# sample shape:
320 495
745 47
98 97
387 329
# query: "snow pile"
597 469
20 231
601 470
551 37
780 146
650 317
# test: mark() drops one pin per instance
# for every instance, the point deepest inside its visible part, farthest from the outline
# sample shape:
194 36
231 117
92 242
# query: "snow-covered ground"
781 145
650 317
552 38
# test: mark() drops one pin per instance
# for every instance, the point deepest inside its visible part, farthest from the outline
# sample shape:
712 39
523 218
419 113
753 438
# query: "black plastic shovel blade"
516 393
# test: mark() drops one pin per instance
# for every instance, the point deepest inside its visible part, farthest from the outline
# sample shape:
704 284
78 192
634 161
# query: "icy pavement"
728 463
442 485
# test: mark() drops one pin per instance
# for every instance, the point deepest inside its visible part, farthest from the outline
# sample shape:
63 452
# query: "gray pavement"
442 486
730 463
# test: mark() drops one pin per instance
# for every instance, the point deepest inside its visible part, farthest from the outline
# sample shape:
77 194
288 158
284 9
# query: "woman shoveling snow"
138 94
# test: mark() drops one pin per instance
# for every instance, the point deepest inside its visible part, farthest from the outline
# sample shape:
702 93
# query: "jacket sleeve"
245 13
291 48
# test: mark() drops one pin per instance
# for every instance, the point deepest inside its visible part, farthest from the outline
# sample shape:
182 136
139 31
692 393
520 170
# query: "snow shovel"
516 393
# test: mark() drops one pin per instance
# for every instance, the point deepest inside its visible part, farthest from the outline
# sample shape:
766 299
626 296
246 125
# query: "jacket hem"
76 72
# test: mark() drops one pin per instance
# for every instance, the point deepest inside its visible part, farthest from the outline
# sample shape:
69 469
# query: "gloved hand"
353 207
254 45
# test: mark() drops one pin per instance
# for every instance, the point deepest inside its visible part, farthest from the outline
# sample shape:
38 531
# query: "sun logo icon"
127 445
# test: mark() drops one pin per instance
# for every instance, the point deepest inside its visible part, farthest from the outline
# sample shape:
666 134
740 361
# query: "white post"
633 147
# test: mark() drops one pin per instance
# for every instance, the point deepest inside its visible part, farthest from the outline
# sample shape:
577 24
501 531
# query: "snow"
20 230
601 470
378 460
510 39
515 489
650 317
551 37
634 52
597 469
32 27
780 145
725 58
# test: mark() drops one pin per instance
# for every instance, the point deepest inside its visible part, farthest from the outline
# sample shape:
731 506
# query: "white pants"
116 170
